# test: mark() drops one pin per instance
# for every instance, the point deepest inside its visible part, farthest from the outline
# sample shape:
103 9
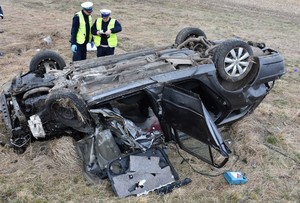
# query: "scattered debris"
210 187
141 173
235 178
48 40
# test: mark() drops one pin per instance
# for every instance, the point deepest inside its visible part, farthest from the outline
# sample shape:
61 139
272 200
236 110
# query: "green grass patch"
280 102
297 155
272 140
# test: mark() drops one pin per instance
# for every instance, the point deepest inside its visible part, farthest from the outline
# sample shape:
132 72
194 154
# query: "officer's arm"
117 28
74 30
94 28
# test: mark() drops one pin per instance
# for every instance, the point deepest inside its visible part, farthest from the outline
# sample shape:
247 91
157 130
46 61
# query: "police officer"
1 16
104 30
1 13
81 31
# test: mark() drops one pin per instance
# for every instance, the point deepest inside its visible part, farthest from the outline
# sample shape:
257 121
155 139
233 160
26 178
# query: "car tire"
187 33
45 60
232 60
69 108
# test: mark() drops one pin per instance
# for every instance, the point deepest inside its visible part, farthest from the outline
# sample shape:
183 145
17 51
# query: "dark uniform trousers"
80 54
105 51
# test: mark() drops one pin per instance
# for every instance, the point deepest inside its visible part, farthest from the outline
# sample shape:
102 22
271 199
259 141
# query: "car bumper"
5 112
271 68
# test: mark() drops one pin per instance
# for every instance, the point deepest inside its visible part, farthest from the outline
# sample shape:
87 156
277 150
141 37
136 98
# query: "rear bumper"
271 67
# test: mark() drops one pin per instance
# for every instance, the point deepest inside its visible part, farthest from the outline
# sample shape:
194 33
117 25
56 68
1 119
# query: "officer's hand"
74 48
100 32
92 44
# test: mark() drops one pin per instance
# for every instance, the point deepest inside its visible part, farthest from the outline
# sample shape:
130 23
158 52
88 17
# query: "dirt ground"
265 144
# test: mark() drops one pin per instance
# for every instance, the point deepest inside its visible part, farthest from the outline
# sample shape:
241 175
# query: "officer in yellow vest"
81 31
104 30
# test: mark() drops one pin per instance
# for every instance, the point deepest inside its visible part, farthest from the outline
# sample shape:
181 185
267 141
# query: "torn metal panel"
144 164
106 148
135 183
97 151
141 173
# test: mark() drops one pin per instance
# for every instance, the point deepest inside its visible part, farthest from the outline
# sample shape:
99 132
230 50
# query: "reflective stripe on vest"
80 37
112 40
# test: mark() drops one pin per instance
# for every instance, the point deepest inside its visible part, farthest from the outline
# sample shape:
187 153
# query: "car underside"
125 107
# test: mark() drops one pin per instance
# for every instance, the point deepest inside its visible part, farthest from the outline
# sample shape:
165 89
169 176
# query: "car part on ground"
129 177
170 187
139 101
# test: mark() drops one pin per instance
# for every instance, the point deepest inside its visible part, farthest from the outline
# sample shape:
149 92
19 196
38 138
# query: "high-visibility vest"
80 37
112 40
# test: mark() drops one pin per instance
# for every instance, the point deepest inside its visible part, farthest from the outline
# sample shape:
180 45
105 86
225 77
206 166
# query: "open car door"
192 126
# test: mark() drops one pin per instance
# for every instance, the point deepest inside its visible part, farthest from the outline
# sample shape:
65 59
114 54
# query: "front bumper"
5 112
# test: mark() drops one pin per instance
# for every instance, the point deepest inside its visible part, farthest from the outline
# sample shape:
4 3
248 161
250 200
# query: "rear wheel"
232 60
46 60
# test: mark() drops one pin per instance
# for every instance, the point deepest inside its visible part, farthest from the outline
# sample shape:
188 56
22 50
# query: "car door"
194 130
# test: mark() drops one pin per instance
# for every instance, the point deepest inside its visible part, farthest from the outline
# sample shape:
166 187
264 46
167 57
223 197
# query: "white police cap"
87 5
105 12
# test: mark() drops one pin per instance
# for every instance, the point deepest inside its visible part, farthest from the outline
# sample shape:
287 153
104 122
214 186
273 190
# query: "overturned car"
122 109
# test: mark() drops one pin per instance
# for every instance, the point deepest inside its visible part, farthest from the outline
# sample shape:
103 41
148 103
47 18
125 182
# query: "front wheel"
232 60
187 33
69 108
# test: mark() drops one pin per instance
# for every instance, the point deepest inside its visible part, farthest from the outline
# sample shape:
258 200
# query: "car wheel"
46 60
68 108
186 33
232 60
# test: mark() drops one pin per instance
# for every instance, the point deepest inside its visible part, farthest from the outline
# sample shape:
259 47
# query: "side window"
200 150
194 128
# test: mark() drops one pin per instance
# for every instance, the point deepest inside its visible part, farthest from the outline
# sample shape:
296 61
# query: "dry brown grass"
265 144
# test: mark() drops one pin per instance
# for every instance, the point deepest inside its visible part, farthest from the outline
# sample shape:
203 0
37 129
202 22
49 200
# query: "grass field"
265 144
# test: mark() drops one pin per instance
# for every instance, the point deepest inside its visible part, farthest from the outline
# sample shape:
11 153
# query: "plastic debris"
48 40
235 178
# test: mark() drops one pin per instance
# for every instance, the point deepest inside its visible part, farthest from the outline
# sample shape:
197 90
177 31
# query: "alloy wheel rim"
236 62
